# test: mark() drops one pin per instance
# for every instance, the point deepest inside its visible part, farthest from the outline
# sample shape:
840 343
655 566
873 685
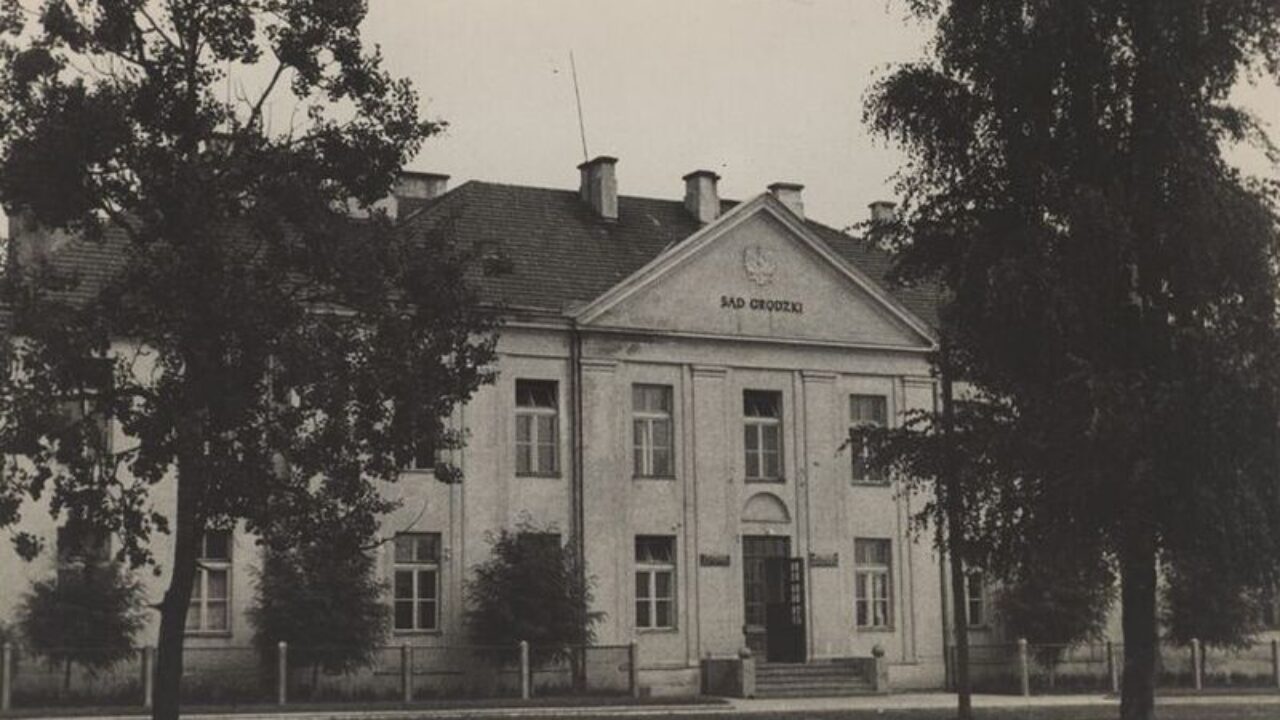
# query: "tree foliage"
1110 278
273 359
531 590
86 616
325 600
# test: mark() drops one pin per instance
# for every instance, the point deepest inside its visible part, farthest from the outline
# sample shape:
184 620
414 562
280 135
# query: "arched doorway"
772 582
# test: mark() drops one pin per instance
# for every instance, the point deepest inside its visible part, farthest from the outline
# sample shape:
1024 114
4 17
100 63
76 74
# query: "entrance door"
773 586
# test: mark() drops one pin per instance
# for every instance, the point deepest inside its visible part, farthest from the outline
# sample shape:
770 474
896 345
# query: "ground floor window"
417 581
210 608
975 599
655 582
874 593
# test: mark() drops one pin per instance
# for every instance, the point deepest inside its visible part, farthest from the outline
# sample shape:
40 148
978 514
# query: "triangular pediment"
758 273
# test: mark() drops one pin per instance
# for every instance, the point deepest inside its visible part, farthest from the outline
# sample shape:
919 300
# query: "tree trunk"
953 500
964 688
173 609
1138 617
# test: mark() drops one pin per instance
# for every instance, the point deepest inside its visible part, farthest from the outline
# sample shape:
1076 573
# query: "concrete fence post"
406 672
282 672
1113 668
1197 665
6 677
633 663
1024 664
525 676
1275 662
148 676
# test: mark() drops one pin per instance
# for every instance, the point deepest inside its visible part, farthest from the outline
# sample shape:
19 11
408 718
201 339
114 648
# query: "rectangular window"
874 594
866 410
210 608
1269 610
537 427
975 599
655 582
762 434
80 544
81 547
417 581
83 408
652 431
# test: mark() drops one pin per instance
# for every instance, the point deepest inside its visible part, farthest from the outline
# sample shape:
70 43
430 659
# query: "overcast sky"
757 90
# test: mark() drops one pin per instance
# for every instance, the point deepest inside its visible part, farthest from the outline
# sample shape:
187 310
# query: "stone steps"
821 679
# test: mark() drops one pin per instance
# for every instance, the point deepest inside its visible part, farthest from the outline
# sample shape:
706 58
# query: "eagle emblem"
759 264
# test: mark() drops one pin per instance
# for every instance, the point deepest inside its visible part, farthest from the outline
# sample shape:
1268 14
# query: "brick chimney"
410 186
700 196
789 194
420 185
30 243
599 186
883 211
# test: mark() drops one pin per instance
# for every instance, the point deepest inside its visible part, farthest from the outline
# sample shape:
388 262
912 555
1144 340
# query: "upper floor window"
81 547
210 608
420 453
80 544
652 433
866 410
872 559
762 434
655 582
417 581
537 427
82 408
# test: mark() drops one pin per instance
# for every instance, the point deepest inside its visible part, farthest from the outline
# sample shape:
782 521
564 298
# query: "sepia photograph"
645 359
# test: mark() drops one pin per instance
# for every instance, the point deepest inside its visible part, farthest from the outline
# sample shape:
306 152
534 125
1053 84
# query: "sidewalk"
735 707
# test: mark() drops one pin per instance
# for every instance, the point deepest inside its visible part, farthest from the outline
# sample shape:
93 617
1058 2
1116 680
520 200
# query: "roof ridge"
544 188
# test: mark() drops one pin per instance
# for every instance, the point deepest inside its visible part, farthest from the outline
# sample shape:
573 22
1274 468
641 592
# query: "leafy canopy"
272 355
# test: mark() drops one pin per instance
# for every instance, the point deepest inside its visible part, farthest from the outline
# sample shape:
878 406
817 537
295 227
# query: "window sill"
765 481
549 476
417 633
658 631
215 634
878 629
667 478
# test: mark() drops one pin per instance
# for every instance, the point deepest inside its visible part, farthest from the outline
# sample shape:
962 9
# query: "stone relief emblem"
759 265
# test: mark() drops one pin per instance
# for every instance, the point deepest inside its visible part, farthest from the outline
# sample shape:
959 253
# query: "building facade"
676 384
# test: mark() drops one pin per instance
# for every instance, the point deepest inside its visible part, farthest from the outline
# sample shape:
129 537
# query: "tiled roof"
560 254
555 253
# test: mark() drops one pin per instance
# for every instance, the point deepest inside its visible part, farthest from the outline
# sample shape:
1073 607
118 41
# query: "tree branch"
256 114
142 9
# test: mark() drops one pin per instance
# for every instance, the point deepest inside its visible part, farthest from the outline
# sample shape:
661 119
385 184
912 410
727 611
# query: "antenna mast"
582 128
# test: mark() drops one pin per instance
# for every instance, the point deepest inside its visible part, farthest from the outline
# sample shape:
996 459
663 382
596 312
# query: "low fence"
401 674
1028 668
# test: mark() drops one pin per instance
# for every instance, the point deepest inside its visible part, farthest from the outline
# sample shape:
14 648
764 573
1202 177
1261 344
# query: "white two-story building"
676 383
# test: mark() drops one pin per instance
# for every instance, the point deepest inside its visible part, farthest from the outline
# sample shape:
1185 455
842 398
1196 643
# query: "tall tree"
269 361
1113 278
